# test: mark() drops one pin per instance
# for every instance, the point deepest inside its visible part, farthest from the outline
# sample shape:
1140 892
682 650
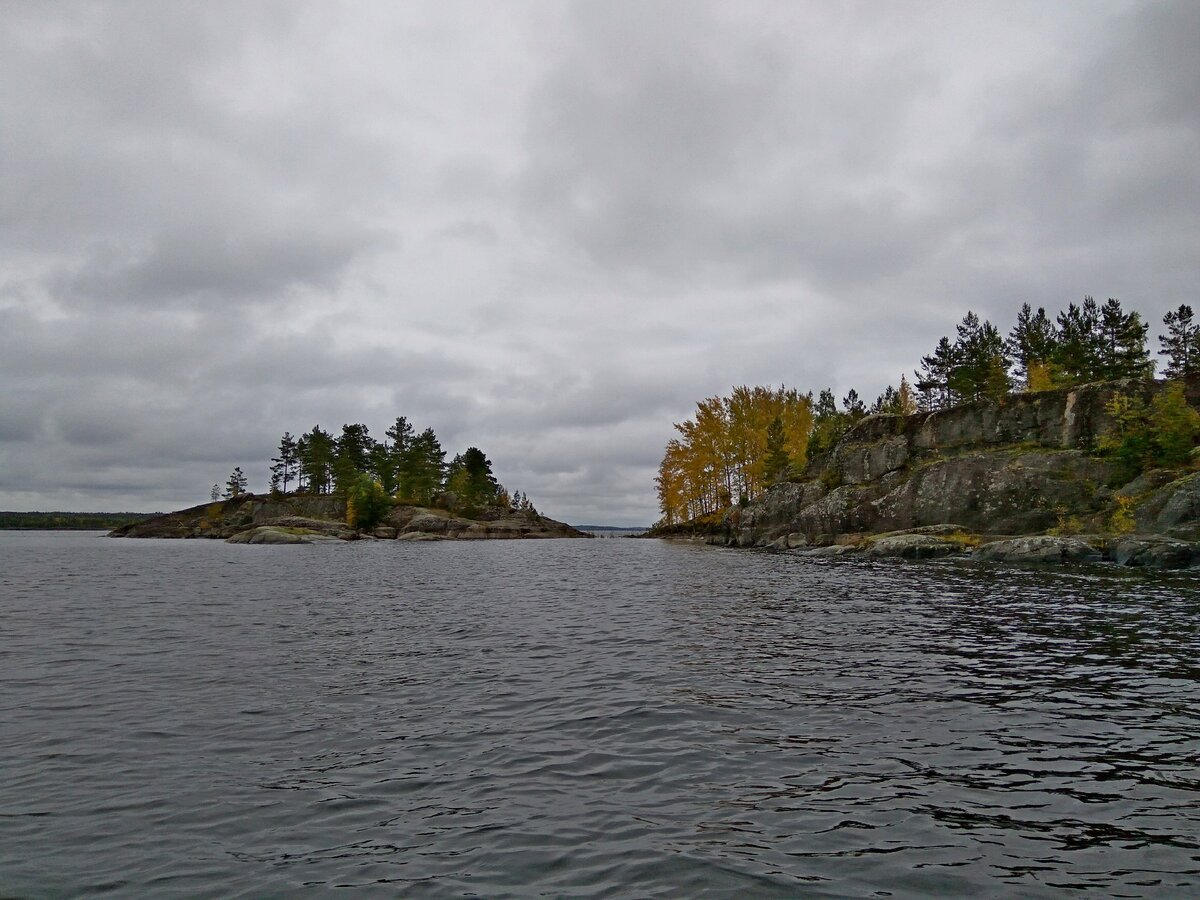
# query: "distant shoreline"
69 521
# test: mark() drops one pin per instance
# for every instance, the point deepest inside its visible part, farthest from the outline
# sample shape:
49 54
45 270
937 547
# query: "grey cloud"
148 186
546 233
218 262
477 232
20 419
718 151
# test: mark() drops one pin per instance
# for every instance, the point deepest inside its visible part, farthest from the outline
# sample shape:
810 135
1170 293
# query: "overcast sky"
546 229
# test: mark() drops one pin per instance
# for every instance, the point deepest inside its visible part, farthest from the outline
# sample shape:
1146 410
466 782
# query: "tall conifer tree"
1032 342
1181 343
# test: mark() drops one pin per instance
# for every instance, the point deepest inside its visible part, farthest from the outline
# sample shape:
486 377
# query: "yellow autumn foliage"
720 455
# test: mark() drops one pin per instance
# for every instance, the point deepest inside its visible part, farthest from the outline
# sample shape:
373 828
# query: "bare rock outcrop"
1039 549
301 519
1024 466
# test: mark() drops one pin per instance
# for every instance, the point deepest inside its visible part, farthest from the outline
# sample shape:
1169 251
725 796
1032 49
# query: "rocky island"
353 487
305 519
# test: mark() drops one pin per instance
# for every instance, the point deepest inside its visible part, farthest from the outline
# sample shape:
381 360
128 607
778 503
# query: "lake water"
588 718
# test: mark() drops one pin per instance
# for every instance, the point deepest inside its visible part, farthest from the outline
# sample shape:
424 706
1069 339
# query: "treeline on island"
69 521
735 447
406 467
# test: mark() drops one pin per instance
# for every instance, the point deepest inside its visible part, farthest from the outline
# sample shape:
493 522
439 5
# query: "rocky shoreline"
1017 481
307 519
1154 551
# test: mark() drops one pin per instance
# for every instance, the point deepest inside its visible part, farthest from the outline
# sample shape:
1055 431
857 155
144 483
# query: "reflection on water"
588 718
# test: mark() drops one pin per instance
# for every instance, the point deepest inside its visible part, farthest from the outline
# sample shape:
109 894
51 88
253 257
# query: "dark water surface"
599 718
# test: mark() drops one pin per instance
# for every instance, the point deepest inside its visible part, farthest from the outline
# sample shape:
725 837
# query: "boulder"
917 546
429 523
270 534
1039 549
1153 551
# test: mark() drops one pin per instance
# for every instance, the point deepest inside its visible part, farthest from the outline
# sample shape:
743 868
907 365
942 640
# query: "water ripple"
606 718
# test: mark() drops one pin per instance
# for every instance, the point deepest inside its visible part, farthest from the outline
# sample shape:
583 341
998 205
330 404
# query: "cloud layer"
546 229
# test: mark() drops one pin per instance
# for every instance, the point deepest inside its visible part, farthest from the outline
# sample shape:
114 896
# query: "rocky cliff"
300 518
1020 467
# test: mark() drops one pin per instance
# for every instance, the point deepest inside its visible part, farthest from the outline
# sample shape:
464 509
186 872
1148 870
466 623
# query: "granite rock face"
1020 467
997 492
1172 508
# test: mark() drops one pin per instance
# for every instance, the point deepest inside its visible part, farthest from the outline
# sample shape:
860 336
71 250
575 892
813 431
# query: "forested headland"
737 446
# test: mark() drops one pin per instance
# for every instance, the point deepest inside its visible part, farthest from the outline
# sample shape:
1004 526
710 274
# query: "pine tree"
853 406
424 468
400 436
469 477
826 407
215 493
1077 357
315 452
828 425
1032 341
1181 343
285 466
1122 344
981 368
382 467
934 380
899 401
885 403
352 456
236 485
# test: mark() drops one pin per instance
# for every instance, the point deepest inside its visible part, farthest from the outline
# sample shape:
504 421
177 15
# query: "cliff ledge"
987 471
